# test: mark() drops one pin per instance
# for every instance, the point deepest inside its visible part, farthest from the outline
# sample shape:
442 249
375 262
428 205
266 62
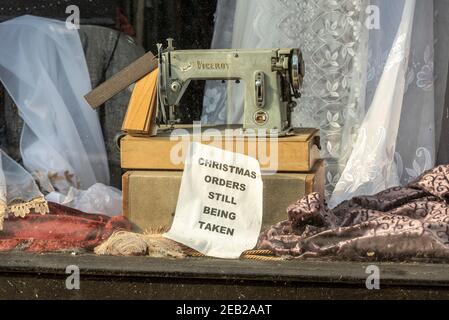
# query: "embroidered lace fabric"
369 83
19 194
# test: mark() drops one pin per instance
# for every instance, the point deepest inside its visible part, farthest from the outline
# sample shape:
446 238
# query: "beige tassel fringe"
153 244
124 243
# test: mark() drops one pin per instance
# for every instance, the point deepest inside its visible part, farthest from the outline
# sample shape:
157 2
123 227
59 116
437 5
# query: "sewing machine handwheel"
297 69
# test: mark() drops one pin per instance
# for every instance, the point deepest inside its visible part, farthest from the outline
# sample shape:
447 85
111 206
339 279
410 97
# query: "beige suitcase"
150 197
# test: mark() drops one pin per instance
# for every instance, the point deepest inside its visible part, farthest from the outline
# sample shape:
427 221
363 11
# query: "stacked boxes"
154 171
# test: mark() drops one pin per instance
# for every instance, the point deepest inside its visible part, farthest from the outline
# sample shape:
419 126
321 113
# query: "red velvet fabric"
61 230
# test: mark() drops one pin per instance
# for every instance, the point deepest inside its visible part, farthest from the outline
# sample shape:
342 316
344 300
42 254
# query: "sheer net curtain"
369 86
44 70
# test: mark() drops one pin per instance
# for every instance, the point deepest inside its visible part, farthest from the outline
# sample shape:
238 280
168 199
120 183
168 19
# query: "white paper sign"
219 211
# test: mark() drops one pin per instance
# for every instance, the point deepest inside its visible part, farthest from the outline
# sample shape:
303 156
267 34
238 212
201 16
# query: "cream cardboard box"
150 197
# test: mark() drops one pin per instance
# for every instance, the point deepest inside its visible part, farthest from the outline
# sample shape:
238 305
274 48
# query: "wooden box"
150 197
297 153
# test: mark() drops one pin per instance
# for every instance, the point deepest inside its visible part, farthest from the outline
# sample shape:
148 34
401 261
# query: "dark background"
189 22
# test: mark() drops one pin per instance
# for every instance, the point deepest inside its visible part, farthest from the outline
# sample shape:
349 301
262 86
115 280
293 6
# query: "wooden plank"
43 277
316 271
140 116
121 80
50 286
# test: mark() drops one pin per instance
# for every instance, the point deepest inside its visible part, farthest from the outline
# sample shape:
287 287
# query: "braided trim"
260 255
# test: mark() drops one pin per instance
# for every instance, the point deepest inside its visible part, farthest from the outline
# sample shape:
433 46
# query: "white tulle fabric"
370 91
99 198
43 68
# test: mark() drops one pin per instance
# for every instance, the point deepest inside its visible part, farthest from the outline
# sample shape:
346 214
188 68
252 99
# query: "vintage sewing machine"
272 77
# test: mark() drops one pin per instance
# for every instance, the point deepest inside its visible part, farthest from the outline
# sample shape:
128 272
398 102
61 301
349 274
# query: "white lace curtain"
369 83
